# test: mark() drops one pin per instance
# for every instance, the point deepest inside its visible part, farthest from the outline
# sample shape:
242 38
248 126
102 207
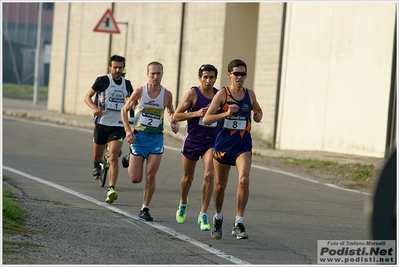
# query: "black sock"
97 165
111 187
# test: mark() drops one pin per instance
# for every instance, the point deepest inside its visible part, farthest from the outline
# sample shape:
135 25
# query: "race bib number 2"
151 117
234 124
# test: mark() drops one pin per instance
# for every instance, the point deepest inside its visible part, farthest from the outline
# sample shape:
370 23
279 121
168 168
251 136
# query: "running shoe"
217 228
96 173
125 160
111 195
239 231
181 214
203 223
145 215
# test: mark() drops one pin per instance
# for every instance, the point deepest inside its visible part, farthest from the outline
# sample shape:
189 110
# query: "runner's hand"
257 116
130 137
175 127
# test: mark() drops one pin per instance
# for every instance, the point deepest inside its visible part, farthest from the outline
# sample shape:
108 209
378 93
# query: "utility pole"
37 56
110 37
127 30
63 88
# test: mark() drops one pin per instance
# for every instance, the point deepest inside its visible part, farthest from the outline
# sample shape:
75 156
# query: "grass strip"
362 175
14 215
23 91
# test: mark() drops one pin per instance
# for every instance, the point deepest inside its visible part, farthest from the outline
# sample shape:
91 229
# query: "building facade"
323 72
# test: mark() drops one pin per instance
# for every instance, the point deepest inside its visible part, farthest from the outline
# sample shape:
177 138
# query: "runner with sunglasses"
232 107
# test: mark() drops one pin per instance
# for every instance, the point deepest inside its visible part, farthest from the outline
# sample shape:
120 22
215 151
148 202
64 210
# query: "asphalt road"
285 215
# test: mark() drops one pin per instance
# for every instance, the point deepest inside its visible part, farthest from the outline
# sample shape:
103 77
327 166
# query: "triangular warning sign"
107 24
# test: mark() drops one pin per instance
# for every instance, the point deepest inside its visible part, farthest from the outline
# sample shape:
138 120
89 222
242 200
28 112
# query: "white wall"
152 36
336 82
267 66
336 62
87 55
202 42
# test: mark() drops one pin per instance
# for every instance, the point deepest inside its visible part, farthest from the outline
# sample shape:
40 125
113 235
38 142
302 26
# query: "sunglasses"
237 73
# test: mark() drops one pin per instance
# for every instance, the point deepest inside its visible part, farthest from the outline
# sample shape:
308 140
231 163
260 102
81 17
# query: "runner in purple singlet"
197 142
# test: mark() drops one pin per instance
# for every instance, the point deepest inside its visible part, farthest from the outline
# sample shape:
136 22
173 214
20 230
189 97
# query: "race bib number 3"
234 124
212 125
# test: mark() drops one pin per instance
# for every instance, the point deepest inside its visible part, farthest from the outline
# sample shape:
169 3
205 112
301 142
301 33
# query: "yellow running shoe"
181 214
203 223
111 195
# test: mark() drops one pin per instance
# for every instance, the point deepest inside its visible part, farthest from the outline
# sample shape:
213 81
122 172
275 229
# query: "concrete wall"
267 67
241 25
87 54
336 77
152 37
202 42
336 61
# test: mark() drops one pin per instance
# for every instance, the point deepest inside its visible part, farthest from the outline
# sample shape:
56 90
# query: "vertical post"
280 68
180 53
37 57
110 38
127 30
62 104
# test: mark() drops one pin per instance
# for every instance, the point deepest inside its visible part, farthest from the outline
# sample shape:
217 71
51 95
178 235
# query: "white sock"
201 213
144 206
219 216
239 219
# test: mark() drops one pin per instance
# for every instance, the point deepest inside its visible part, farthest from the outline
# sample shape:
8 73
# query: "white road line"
158 226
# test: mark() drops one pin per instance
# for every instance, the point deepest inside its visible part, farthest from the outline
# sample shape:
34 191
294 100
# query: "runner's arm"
188 101
130 103
89 101
218 100
258 113
171 111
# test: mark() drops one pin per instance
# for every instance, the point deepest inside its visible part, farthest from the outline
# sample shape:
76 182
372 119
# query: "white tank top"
113 99
149 112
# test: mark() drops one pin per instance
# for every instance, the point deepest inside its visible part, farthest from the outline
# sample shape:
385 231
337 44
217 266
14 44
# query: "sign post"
127 26
107 24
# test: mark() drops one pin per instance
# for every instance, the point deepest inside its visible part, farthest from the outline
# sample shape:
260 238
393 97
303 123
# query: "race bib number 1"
234 124
115 104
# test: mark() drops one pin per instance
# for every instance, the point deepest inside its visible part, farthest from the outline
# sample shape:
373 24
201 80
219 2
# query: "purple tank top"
193 129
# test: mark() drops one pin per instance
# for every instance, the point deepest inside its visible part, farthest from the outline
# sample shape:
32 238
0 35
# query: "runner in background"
125 158
111 92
